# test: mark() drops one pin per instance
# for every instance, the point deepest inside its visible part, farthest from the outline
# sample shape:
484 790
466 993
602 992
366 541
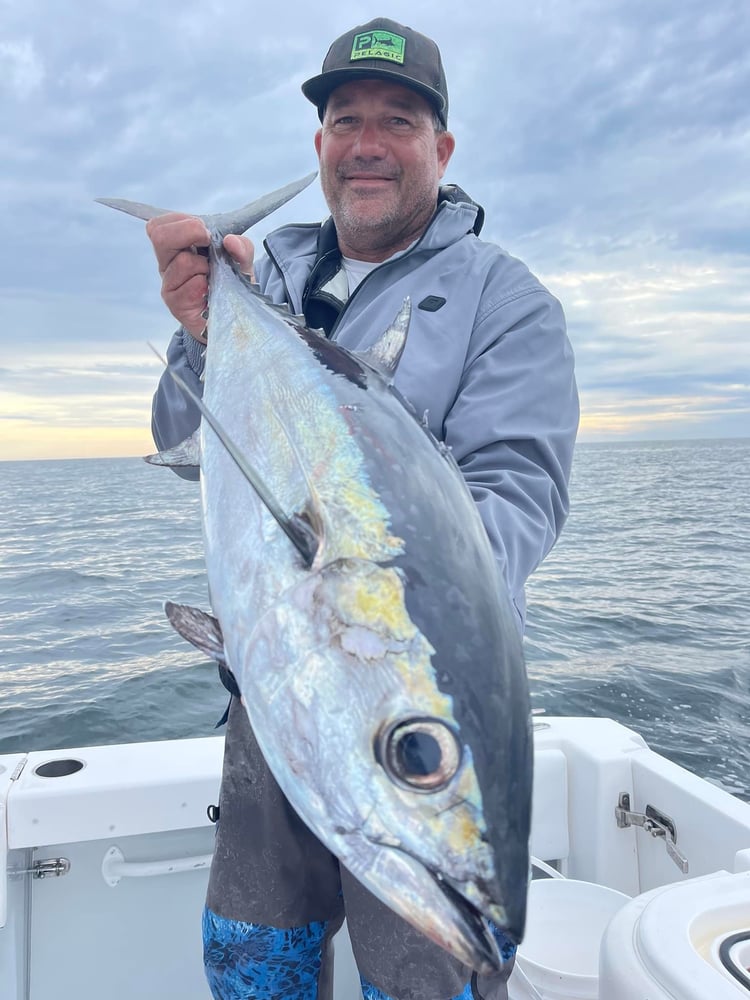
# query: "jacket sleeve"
512 428
173 416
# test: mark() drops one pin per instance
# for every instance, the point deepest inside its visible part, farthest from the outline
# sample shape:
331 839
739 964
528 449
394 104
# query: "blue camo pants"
245 961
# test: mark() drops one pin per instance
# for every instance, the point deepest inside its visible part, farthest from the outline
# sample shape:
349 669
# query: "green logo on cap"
378 45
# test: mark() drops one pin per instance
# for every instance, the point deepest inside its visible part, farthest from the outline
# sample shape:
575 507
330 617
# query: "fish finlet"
385 353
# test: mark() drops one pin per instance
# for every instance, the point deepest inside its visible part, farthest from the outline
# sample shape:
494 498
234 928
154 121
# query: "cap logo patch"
378 45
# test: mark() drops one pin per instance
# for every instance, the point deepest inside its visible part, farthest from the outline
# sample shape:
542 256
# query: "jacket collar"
308 255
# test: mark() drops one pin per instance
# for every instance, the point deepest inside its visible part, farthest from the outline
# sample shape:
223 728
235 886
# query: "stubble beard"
372 224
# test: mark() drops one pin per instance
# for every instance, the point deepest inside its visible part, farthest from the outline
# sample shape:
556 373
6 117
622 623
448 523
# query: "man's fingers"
183 267
241 249
190 295
187 303
173 234
179 241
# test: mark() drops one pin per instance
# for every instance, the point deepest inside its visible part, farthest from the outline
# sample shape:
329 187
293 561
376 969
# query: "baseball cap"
385 49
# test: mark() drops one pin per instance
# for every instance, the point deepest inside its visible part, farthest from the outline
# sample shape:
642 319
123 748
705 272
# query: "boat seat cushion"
549 810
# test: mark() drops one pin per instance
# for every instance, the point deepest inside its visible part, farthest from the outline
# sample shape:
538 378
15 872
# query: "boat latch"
655 823
47 868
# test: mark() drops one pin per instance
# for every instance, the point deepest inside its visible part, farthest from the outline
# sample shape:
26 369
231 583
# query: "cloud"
609 145
21 69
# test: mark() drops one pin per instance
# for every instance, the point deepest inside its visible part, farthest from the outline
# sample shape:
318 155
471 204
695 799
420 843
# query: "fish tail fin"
224 223
138 209
241 219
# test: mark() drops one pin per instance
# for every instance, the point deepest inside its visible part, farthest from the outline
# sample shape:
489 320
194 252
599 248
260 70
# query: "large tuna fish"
358 604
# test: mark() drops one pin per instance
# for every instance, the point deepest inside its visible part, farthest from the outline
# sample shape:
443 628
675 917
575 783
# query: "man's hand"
242 250
177 241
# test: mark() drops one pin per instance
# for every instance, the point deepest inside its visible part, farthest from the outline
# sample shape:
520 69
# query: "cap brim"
319 88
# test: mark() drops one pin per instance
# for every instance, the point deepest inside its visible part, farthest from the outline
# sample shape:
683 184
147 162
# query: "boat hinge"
18 769
655 823
47 868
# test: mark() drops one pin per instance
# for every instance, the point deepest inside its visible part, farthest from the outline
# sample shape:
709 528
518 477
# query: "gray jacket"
487 359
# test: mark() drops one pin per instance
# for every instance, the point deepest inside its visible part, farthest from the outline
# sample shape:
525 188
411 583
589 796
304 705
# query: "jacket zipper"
375 270
281 275
334 328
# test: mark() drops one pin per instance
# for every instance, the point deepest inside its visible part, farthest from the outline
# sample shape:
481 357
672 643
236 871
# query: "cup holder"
58 768
734 954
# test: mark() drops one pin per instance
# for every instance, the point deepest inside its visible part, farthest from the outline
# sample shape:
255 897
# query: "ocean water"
641 613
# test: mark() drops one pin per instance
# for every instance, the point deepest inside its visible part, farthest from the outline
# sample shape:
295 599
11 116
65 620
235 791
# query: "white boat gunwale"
140 810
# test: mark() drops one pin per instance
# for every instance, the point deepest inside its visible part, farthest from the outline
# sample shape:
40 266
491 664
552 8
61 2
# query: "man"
487 358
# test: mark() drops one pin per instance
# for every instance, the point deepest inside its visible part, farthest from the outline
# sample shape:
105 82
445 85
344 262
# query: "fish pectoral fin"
385 354
298 534
199 628
308 523
187 453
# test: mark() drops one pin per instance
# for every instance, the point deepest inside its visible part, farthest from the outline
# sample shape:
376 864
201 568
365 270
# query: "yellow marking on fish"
329 465
376 600
372 538
463 832
373 598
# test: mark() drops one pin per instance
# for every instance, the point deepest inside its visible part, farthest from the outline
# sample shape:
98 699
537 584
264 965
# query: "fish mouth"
474 927
440 908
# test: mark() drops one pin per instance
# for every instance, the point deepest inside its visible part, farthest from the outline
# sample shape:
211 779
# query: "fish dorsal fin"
385 353
221 224
186 454
300 530
199 628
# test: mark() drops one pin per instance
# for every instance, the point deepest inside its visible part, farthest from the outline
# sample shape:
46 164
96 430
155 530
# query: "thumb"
241 250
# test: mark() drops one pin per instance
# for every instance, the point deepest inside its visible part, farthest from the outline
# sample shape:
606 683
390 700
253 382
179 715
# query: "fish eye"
420 754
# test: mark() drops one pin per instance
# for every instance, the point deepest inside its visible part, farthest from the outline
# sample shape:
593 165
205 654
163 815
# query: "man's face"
381 161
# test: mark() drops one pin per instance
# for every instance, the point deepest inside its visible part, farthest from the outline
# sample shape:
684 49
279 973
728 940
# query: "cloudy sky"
609 142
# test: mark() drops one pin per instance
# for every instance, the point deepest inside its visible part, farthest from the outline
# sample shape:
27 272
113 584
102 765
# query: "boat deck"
104 853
